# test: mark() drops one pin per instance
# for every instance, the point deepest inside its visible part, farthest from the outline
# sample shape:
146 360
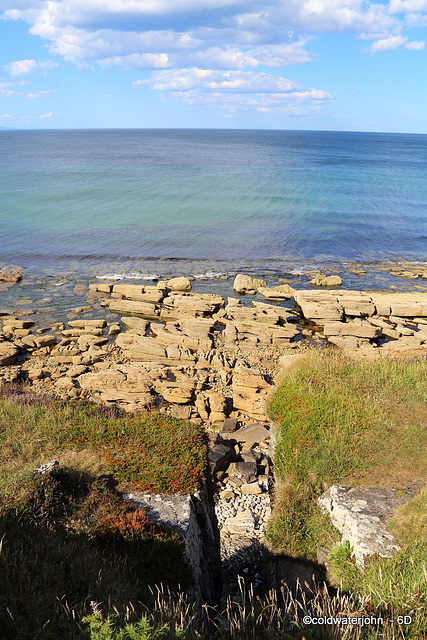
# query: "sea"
139 205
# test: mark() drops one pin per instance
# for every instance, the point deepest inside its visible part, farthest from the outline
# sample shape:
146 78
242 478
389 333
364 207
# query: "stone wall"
192 516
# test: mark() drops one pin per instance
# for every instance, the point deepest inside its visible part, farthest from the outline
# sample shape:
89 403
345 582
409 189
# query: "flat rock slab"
361 515
11 273
172 511
252 434
241 524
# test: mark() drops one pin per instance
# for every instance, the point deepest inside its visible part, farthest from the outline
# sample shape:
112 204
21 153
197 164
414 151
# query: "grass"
365 424
68 538
67 543
77 563
154 452
341 420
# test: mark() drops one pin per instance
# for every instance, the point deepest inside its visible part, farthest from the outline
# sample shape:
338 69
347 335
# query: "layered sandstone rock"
8 353
257 326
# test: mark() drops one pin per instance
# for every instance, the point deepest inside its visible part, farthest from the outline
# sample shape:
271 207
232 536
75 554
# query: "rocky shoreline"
211 360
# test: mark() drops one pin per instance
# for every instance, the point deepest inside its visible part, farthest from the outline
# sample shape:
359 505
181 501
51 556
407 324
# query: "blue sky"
265 64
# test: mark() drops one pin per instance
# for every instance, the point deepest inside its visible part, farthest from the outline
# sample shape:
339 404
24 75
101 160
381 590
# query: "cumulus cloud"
24 67
237 91
292 103
395 42
108 30
46 115
190 45
208 79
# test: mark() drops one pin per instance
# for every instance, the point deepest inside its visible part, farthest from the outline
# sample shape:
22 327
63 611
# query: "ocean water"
148 203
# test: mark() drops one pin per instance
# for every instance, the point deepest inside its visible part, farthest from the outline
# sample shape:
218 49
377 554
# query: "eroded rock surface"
361 516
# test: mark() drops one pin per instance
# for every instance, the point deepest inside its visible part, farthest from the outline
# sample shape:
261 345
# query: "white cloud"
24 67
395 42
211 80
46 93
6 116
7 90
190 45
46 115
232 103
237 91
218 58
104 31
407 6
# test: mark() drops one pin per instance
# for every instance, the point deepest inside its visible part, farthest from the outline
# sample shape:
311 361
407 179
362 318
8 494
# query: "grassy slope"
68 539
357 424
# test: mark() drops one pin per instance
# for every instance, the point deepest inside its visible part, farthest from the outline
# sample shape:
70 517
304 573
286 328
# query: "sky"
336 65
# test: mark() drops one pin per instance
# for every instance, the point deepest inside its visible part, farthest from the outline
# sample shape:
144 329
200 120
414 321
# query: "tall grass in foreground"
304 614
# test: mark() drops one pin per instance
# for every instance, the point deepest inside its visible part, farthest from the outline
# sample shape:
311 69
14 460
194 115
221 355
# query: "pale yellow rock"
351 329
189 305
137 324
179 284
282 292
83 323
140 348
251 489
138 293
65 383
101 287
244 283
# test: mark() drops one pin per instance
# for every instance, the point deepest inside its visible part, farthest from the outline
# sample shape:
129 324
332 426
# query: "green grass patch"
341 421
338 420
68 539
155 452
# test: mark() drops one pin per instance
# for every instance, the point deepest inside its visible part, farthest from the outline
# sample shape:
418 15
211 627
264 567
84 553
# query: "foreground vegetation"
365 424
68 538
77 563
153 451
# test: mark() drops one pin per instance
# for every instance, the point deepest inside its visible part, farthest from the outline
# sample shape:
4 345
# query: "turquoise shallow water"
156 202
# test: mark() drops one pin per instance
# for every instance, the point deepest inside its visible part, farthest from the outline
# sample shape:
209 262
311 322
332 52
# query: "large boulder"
243 283
138 293
351 329
282 292
179 284
134 308
190 305
141 348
